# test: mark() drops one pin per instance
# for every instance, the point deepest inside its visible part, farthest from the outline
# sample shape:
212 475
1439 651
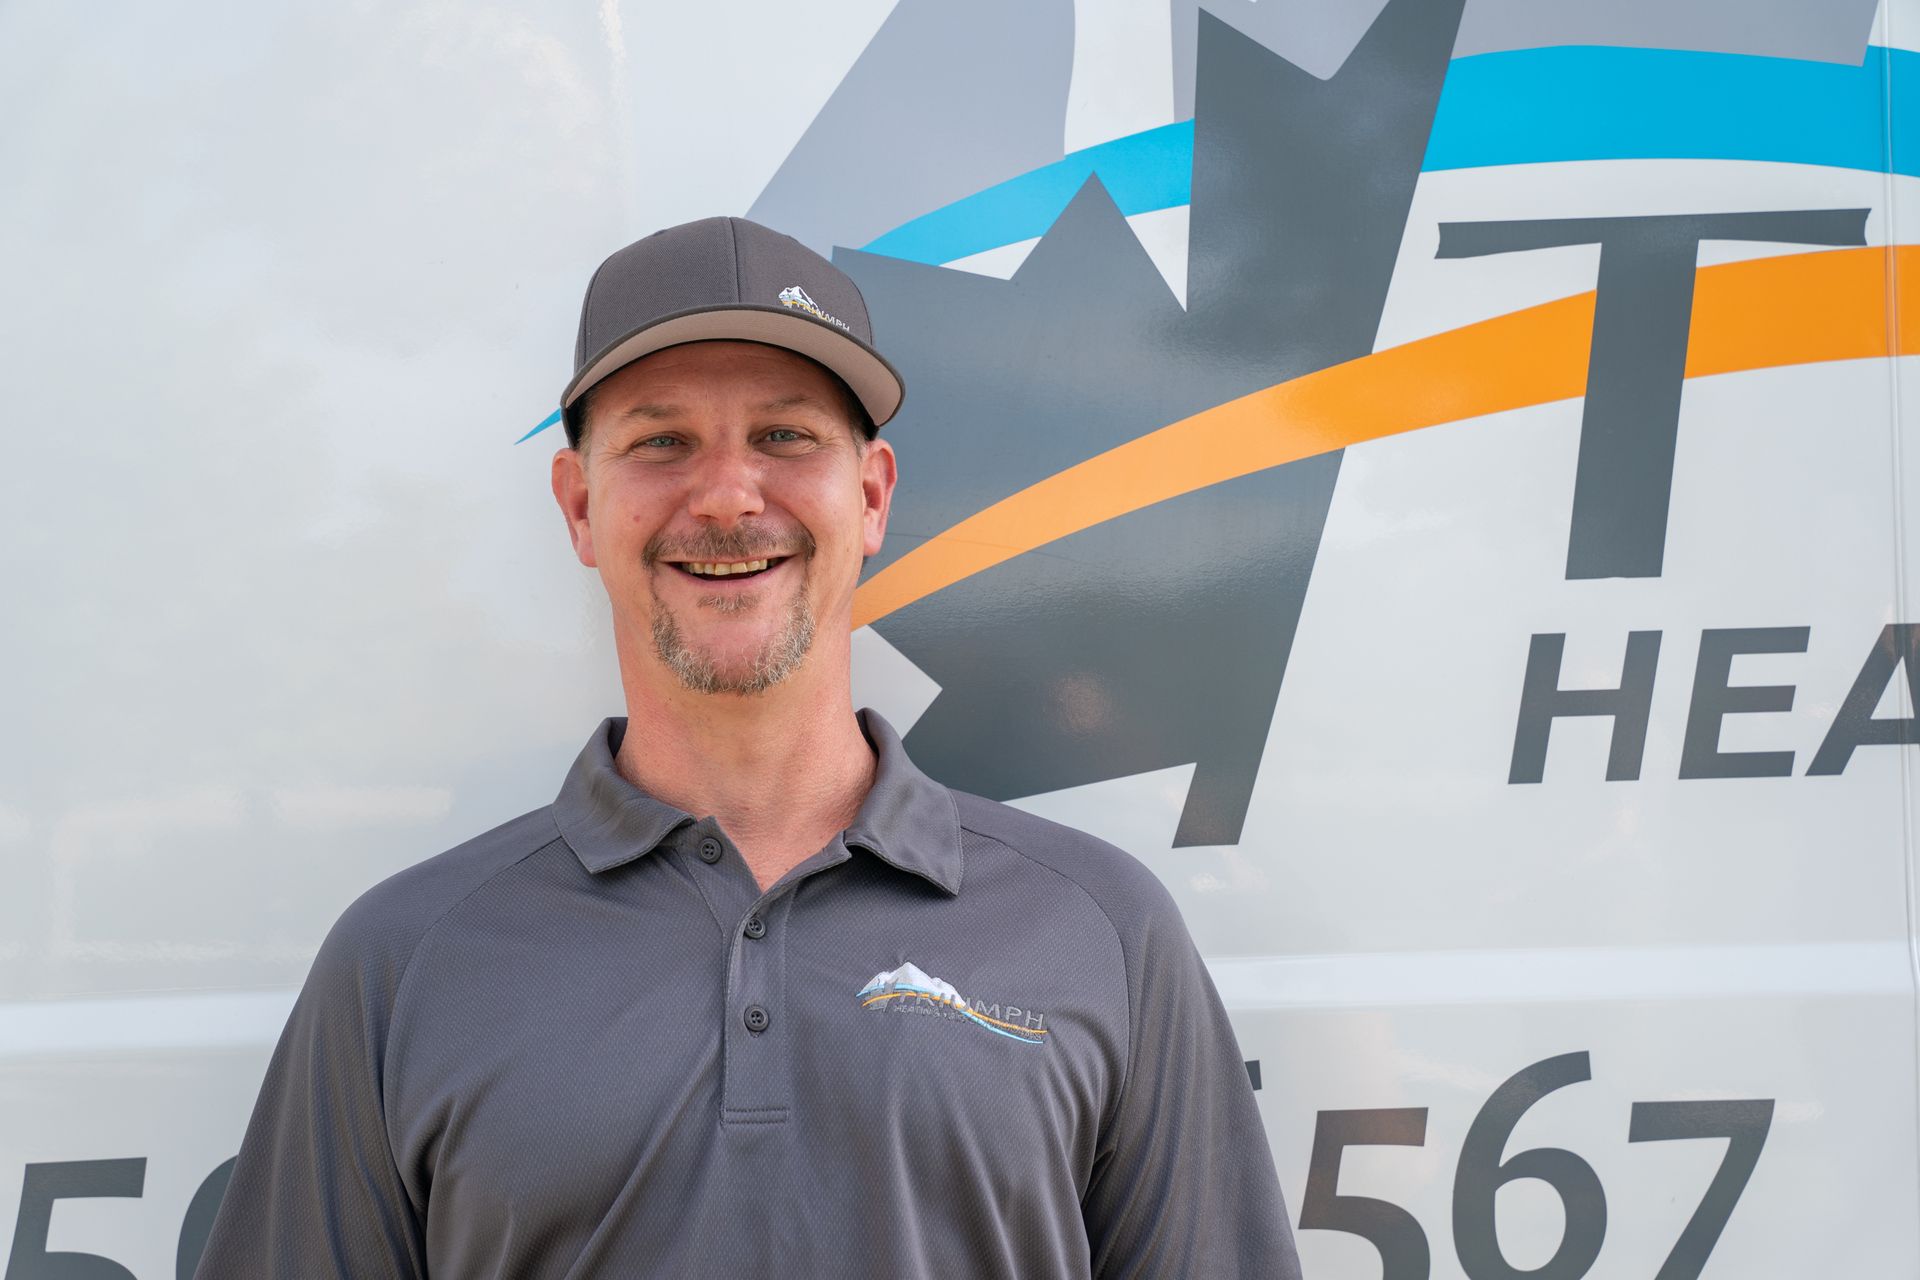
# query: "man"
753 995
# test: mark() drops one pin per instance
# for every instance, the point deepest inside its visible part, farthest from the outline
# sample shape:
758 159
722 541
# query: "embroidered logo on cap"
910 989
796 297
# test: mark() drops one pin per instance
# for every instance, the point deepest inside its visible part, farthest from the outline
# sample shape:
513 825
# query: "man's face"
727 503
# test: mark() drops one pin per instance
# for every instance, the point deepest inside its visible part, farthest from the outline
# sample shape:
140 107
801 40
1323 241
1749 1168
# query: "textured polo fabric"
960 1041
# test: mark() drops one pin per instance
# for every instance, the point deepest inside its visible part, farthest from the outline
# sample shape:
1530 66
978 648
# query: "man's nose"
726 486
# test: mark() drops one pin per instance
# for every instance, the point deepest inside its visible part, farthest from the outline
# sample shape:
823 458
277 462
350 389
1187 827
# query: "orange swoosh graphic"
1801 308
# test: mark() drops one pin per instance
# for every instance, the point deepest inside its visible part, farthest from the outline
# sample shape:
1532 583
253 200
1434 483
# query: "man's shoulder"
1124 887
384 925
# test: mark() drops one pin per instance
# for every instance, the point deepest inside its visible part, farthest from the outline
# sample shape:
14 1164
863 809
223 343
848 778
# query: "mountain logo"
796 297
911 989
1115 495
1147 641
1118 496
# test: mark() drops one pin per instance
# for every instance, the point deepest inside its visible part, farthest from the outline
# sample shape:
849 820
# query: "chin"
742 664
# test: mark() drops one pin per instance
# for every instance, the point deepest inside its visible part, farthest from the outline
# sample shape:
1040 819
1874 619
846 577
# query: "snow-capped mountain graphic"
914 983
911 977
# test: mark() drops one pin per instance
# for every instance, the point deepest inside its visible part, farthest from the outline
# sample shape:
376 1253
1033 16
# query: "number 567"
1482 1172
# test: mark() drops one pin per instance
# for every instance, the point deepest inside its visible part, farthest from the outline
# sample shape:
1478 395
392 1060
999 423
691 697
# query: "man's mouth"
713 570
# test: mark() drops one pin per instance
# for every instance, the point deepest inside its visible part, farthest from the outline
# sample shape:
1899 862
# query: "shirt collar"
908 820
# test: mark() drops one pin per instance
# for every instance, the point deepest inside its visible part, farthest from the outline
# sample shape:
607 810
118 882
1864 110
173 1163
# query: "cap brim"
876 382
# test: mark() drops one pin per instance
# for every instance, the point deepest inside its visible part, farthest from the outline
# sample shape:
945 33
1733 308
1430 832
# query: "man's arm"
315 1192
1183 1183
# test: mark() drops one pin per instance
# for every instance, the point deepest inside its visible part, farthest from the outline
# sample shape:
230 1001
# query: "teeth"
722 570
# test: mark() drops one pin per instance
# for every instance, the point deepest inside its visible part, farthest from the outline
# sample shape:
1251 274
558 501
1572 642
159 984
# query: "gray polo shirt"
960 1041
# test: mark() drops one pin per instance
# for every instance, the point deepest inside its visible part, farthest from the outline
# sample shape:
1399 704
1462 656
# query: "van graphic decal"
1106 575
1116 500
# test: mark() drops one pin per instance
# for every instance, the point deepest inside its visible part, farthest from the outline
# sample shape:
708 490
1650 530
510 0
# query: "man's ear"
570 491
878 471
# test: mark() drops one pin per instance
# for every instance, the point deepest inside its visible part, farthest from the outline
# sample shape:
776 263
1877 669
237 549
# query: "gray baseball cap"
729 278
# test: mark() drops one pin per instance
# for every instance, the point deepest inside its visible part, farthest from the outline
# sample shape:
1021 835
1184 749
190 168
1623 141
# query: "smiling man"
633 1033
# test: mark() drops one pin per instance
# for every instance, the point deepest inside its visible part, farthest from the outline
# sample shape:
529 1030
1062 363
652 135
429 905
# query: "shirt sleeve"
1183 1181
315 1193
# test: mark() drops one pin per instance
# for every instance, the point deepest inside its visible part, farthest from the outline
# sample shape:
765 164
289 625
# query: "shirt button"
709 850
756 927
757 1019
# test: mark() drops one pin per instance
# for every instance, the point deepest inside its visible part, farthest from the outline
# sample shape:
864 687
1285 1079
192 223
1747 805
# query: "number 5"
1392 1230
68 1180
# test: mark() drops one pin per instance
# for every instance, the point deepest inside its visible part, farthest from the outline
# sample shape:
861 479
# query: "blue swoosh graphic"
1142 172
545 422
1524 106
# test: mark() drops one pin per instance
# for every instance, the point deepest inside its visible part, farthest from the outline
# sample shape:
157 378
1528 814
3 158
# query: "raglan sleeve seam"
401 985
1127 962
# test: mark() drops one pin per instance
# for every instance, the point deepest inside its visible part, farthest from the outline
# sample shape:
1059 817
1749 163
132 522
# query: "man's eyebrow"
798 400
659 412
653 412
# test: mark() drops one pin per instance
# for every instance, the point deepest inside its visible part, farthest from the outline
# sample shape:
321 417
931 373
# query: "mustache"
742 542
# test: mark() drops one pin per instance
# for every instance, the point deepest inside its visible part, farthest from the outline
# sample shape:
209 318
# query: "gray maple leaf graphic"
1160 638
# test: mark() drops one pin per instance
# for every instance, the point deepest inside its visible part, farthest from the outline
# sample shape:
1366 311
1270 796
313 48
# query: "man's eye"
658 442
783 435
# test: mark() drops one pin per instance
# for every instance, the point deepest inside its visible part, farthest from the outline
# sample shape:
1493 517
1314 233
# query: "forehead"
698 375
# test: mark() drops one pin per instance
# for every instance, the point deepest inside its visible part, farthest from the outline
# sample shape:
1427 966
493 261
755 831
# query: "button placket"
756 1063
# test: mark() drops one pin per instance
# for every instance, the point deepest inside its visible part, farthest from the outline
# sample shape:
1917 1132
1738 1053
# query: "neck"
783 772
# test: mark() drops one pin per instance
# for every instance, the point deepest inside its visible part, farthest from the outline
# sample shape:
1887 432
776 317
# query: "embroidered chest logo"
910 989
